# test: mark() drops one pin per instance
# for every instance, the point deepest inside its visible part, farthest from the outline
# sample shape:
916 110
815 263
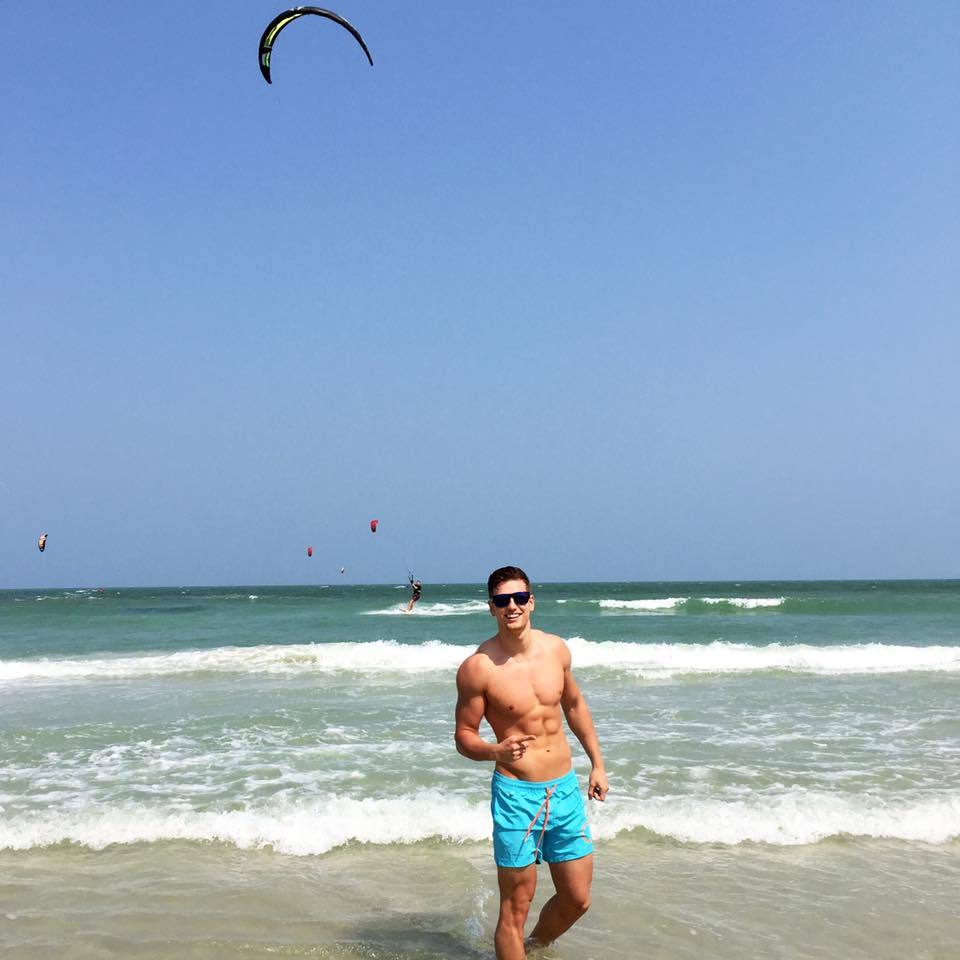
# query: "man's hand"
598 784
513 748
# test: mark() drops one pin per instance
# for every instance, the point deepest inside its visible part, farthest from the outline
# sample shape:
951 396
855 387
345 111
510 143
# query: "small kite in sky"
42 542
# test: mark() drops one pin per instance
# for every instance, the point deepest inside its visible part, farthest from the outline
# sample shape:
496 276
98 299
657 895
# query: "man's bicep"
470 713
571 692
570 689
471 702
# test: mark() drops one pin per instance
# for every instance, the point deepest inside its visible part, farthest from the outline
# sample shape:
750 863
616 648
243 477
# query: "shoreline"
429 901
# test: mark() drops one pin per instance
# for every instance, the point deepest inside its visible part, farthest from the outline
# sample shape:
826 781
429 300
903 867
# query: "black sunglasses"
502 600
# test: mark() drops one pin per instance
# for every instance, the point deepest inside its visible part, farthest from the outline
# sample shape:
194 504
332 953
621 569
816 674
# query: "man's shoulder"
549 639
479 661
553 645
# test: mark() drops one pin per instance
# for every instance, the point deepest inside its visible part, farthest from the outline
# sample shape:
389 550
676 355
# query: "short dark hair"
502 575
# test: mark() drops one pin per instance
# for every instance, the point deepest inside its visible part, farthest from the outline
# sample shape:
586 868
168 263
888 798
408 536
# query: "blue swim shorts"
538 820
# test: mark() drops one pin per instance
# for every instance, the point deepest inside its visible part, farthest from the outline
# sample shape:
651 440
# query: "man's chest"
518 689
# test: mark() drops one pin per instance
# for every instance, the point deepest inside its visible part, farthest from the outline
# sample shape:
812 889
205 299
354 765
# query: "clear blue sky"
669 290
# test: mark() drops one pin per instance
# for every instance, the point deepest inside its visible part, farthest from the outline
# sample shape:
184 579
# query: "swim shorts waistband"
533 785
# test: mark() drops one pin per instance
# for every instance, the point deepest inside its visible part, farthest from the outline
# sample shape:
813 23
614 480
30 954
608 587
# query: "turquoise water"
83 621
160 749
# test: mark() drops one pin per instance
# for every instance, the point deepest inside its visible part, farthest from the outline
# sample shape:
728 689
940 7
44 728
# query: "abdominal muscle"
546 758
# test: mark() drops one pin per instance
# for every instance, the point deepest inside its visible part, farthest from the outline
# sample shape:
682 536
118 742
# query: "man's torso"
523 696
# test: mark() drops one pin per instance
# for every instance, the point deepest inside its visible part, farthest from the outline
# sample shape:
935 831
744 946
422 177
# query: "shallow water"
852 899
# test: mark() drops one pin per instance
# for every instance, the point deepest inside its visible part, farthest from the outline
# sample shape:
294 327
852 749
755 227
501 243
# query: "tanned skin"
520 681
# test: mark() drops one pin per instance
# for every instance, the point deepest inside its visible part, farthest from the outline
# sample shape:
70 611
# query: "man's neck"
514 643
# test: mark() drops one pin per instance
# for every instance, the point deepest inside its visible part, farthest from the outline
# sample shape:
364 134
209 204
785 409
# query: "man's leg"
572 879
517 887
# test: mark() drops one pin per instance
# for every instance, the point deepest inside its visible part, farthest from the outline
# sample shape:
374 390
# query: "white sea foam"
650 660
660 660
422 609
661 604
301 829
665 603
376 656
316 827
797 817
745 603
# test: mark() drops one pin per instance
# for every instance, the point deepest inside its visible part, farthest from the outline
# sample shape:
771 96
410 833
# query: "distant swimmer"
416 588
42 542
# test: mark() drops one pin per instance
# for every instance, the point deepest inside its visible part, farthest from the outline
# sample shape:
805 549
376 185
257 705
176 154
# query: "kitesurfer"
416 588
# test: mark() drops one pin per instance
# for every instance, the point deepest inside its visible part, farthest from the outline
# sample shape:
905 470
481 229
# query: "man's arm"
471 704
578 716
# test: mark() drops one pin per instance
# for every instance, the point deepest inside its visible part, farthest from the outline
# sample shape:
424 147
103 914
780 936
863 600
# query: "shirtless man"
520 680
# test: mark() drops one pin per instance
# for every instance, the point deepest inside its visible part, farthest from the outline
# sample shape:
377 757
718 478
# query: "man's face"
513 617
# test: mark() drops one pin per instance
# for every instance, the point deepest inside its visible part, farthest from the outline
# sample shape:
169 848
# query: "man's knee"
515 904
572 882
576 902
514 910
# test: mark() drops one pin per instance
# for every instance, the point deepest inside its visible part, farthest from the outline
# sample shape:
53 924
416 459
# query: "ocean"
262 772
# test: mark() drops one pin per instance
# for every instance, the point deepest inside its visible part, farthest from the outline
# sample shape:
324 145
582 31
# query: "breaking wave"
647 660
692 604
788 819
